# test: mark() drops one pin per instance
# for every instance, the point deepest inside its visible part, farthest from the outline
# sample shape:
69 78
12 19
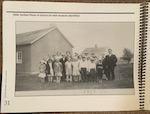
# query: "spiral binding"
142 52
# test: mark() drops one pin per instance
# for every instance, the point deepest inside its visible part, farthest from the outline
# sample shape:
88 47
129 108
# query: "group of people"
85 68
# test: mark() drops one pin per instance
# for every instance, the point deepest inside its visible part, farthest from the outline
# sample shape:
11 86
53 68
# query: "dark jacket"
110 60
63 63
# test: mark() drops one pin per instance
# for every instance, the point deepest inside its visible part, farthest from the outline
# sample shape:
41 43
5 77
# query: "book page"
147 78
70 57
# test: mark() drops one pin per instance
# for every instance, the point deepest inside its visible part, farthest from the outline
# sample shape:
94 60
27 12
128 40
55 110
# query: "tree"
127 54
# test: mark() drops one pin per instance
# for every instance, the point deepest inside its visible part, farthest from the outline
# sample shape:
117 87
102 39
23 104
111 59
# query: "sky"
114 35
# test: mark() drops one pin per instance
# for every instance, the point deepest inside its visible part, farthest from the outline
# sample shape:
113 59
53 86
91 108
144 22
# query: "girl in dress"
58 70
68 66
50 74
75 66
42 70
80 61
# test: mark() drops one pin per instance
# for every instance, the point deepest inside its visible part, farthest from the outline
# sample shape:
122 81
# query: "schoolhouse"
32 46
98 51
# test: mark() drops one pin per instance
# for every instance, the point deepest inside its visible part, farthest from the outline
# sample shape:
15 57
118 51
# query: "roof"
98 51
33 36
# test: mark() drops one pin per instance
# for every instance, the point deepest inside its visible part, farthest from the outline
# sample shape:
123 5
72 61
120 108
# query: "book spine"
142 52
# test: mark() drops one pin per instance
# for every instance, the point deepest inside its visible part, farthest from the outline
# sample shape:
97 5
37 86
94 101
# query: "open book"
75 57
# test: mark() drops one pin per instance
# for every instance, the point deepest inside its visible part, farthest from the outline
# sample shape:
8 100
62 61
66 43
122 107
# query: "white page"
147 82
19 17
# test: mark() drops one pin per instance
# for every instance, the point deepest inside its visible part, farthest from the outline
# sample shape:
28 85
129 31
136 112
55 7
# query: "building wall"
25 66
51 43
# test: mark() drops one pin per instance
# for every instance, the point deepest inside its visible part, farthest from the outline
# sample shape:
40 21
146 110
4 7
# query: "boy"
63 61
88 72
92 69
99 68
83 69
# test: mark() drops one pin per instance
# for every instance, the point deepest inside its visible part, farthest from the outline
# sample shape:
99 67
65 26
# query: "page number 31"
6 102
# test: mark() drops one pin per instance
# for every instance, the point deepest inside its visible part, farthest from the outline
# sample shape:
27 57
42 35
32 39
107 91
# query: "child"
75 66
58 70
50 74
99 68
88 71
59 55
79 61
68 66
92 69
42 70
83 69
63 60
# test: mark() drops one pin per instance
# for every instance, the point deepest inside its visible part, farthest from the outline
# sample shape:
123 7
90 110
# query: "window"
19 57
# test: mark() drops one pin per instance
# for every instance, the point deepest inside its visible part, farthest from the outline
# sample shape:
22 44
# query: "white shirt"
88 63
83 64
110 55
92 66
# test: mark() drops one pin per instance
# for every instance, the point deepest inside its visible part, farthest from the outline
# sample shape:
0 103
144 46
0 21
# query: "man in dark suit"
110 62
63 60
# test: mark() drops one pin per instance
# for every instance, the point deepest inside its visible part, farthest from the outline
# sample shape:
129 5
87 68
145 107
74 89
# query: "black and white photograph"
74 58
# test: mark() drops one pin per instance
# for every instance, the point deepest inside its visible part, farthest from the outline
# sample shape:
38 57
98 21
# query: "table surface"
81 1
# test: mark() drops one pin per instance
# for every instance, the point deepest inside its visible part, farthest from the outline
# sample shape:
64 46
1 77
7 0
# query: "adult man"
110 60
104 67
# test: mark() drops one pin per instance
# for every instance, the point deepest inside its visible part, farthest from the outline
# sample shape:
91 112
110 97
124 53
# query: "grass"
124 79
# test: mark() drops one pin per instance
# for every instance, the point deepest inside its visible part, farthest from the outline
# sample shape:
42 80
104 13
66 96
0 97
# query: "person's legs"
87 77
49 80
82 75
112 75
109 73
95 76
112 72
75 78
41 79
100 75
64 73
83 72
67 78
59 79
92 75
70 78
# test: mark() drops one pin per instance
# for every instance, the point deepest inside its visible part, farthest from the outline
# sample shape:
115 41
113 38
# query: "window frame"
19 57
